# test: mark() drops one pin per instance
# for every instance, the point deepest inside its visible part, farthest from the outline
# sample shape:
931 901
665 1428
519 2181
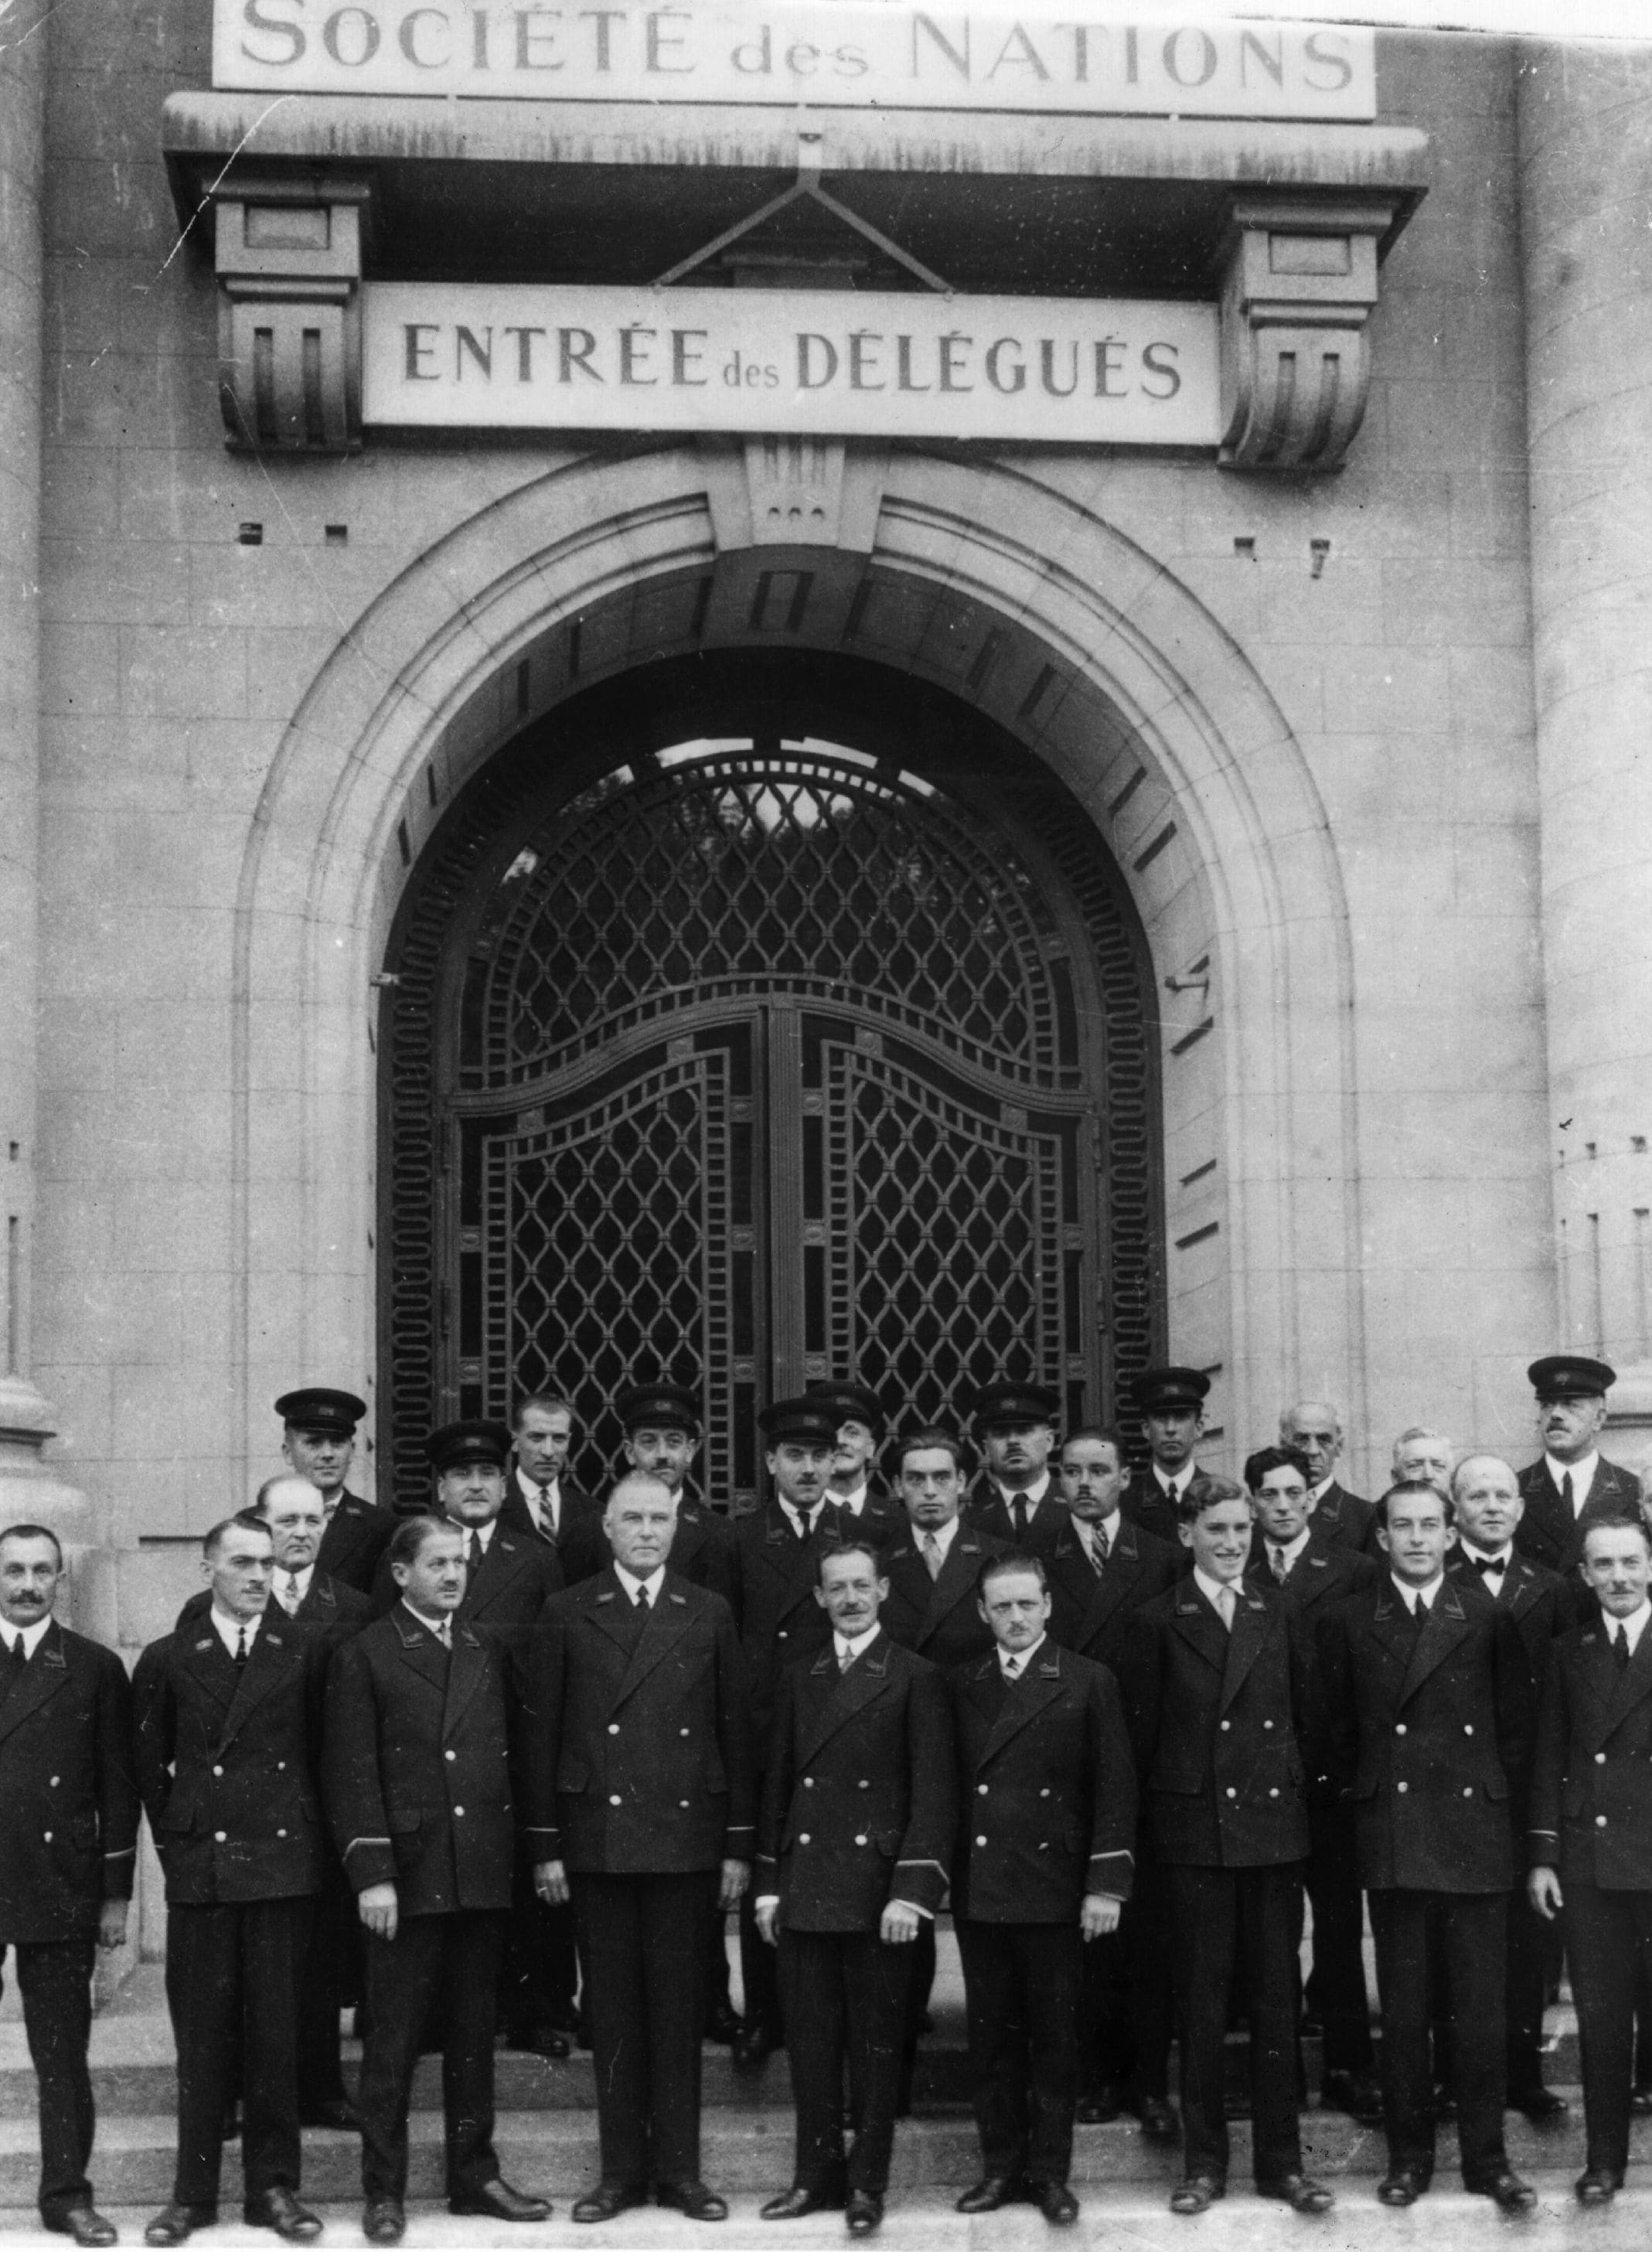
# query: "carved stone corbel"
289 258
1299 283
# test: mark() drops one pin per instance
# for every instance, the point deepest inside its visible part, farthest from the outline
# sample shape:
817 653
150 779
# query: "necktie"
289 1596
643 1599
473 1557
240 1645
1621 1648
18 1651
1490 1567
444 1632
1275 1549
1019 1516
1565 1494
547 1519
1012 1669
845 1660
932 1555
1096 1549
1224 1604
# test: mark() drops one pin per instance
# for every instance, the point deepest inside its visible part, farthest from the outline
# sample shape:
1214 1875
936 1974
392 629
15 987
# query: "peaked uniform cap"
318 1408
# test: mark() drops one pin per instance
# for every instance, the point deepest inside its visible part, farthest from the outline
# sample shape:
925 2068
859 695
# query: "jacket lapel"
204 1658
1199 1625
1244 1643
608 1607
1632 1682
955 1579
1023 1701
421 1650
466 1669
846 1694
1443 1628
43 1677
666 1624
267 1664
499 1565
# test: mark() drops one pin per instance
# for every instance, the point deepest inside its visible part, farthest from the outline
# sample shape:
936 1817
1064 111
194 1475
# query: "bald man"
1314 1428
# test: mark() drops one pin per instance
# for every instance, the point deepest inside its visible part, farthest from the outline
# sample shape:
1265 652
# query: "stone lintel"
289 257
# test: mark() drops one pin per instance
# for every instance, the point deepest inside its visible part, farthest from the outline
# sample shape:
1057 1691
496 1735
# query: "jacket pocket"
402 1821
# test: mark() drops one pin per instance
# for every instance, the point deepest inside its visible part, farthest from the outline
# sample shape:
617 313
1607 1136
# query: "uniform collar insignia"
607 1598
203 1645
679 1599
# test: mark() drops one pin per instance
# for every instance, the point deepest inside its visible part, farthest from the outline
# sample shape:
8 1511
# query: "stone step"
924 2222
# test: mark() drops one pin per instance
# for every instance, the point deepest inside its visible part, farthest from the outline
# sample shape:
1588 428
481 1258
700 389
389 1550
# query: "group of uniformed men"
474 1760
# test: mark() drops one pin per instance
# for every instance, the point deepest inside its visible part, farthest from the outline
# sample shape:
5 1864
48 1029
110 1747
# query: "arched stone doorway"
759 1020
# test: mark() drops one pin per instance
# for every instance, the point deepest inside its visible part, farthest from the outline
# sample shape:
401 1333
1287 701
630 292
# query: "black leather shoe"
1541 2105
723 2026
280 2210
1056 2201
988 2193
383 2221
863 2212
498 2201
1507 2192
1354 2092
1596 2187
84 2222
1197 2193
1100 2106
1403 2186
1301 2192
330 2111
606 2199
174 2223
537 2041
1158 2120
694 2198
793 2203
754 2044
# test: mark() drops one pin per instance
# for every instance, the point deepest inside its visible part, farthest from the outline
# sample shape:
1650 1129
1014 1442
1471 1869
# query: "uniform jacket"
337 1608
577 1507
68 1839
1426 1732
1218 1721
357 1535
1326 1573
1542 1603
417 1768
989 1511
1591 1812
779 1620
643 1757
1147 1504
519 1574
226 1761
860 1792
703 1550
938 1618
1091 1614
882 1518
1548 1532
1047 1789
1347 1518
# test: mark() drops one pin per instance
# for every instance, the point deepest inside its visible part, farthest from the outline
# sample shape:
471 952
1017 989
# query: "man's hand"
551 1882
1543 1890
898 1926
377 1906
736 1877
767 1916
112 1924
1099 1915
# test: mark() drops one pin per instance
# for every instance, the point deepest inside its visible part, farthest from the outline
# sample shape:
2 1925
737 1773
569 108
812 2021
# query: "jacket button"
220 1836
1226 1725
1467 1727
614 1727
54 1782
784 1633
809 1783
860 1841
1399 1728
1402 1786
682 1732
458 1810
1045 1793
863 1784
802 1838
981 1790
682 1801
218 1770
1231 1793
1599 1759
1273 1794
46 1834
281 1766
1468 1790
1267 1724
1600 1821
614 1799
280 1834
450 1754
981 1841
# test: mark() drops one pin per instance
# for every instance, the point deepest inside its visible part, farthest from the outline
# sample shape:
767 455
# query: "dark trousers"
321 1995
232 1975
54 1978
1127 2005
1528 1952
844 1995
643 1941
1336 1983
541 1972
1021 1989
450 1963
1231 1930
760 1975
1608 1942
1466 1935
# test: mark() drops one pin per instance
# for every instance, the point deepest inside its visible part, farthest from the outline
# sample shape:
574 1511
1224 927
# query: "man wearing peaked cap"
865 1507
319 1443
661 1423
1015 1498
1171 1405
1573 1484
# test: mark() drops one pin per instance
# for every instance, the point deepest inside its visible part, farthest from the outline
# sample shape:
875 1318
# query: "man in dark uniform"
421 1717
319 1443
641 1707
1314 1428
539 1498
1219 1684
866 1509
853 1847
68 1847
227 1710
1428 1698
1591 1839
1485 1496
1572 1482
1047 1831
662 1437
1317 1568
1171 1405
780 1621
1102 1568
1015 1497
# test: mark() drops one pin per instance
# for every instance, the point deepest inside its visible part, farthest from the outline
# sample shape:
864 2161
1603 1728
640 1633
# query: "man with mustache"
1573 1483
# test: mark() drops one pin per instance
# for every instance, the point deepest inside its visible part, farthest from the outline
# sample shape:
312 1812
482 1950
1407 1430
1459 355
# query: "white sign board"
1063 371
1052 57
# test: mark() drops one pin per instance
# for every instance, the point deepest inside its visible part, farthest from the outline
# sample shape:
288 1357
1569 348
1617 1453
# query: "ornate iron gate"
769 1061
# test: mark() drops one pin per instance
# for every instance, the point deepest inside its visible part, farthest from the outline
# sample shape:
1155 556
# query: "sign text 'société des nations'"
840 364
1048 55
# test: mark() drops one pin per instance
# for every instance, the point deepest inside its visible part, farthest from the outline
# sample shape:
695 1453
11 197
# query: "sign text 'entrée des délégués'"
837 363
1048 55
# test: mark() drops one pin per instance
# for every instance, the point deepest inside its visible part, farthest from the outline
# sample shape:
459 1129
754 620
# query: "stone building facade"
1342 737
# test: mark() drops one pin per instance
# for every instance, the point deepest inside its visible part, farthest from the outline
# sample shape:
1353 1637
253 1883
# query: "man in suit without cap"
68 1848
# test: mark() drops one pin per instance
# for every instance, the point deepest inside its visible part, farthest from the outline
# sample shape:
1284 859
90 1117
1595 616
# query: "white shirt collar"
483 1533
303 1578
629 1582
1411 1597
1212 1588
1580 1473
795 1517
1107 1527
539 1509
1019 1659
1292 1549
31 1636
1317 1493
1178 1481
1502 1557
440 1629
1032 1495
230 1630
853 1502
1633 1627
944 1535
848 1649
